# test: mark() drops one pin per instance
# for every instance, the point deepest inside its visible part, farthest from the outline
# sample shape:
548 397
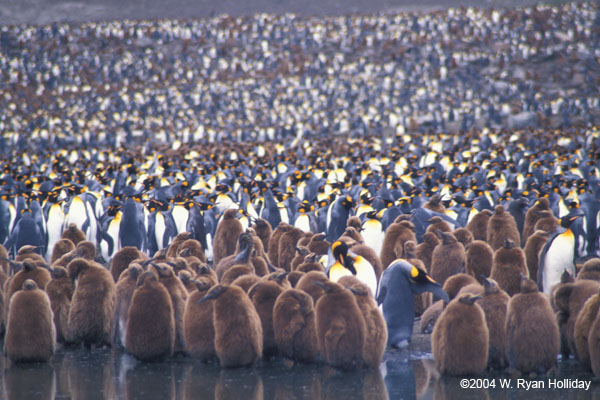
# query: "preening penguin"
532 336
395 293
60 292
501 226
343 262
341 328
238 330
448 258
460 338
30 332
226 235
558 254
150 332
93 304
508 266
198 326
244 253
294 326
263 296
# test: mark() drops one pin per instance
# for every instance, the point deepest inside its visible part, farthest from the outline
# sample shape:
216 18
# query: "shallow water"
112 374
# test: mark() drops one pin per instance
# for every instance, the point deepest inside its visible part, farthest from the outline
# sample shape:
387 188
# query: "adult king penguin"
395 293
344 262
557 255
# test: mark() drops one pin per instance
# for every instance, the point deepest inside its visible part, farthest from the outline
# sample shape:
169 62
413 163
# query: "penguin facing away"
395 293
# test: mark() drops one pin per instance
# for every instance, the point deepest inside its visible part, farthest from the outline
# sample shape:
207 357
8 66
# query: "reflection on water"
111 374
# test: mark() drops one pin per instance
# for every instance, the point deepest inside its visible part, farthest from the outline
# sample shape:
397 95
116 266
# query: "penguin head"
58 272
528 285
568 219
490 286
214 293
468 298
202 285
339 253
29 284
147 276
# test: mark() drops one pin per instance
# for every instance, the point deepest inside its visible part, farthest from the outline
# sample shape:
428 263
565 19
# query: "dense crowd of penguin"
170 203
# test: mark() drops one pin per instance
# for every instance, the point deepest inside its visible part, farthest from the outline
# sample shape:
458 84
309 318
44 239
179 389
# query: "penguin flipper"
541 262
381 293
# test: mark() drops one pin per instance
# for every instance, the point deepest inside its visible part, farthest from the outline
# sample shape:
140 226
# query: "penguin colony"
289 210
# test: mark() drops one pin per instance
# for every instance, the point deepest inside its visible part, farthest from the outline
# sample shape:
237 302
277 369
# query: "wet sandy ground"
48 11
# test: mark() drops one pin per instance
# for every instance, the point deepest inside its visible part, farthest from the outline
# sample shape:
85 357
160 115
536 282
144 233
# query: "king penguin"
557 255
343 262
395 293
337 215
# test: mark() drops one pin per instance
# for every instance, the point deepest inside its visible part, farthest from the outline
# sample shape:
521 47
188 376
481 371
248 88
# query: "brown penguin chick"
29 252
533 214
92 305
354 222
421 300
198 329
263 230
311 263
294 326
178 264
179 296
341 328
301 252
246 281
351 235
424 250
464 236
124 292
192 248
437 224
570 299
74 234
480 257
478 225
435 204
533 246
460 338
60 292
590 270
370 255
263 295
150 330
507 266
494 304
259 259
398 232
581 331
273 252
279 277
235 272
294 276
307 284
206 273
305 240
532 336
287 247
318 244
376 334
86 249
548 223
30 332
501 226
594 345
226 236
4 260
29 270
238 329
430 316
242 255
456 282
178 240
122 259
448 258
61 247
186 278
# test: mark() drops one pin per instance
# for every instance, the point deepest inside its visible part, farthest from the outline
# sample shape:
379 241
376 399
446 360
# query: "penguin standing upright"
372 231
337 215
395 293
343 262
132 230
55 221
557 255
